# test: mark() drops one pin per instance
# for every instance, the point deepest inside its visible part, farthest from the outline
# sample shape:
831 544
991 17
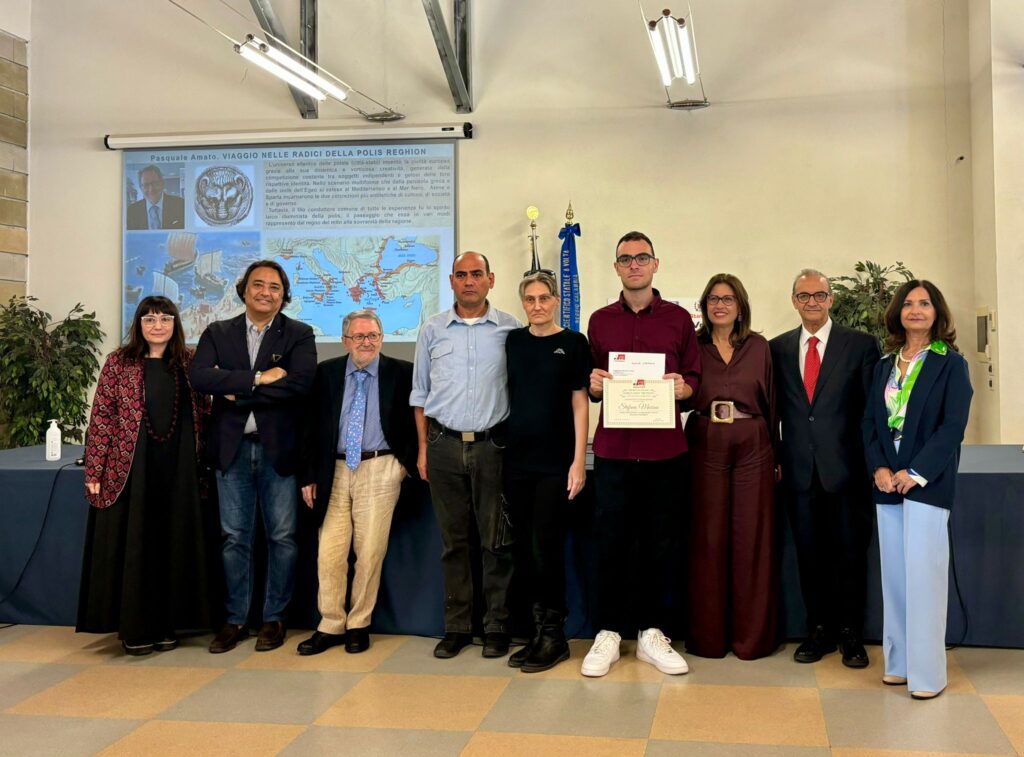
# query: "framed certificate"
639 403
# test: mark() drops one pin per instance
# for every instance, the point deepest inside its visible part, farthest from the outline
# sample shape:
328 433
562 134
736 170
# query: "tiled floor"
63 693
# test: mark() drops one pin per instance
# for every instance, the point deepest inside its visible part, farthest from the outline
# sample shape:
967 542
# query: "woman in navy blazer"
913 426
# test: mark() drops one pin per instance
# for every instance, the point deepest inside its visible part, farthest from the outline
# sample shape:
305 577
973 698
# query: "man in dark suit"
360 444
258 366
157 209
822 375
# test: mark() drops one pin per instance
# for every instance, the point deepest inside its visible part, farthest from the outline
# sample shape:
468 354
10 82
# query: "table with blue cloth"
43 514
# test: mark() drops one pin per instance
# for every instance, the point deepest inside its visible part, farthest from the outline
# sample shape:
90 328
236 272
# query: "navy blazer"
173 215
824 435
320 444
221 366
932 431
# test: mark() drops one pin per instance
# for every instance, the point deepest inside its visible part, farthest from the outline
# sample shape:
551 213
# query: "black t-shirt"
543 372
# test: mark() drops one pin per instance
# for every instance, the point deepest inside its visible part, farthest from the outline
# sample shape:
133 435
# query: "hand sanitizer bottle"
53 441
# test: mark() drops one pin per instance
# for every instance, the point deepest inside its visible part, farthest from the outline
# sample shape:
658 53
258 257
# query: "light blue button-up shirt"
373 434
459 374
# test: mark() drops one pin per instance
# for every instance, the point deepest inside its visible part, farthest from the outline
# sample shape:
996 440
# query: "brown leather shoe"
228 638
271 636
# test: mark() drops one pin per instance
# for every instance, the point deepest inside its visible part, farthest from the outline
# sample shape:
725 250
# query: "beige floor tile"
117 692
334 660
485 744
897 753
627 670
158 738
440 703
832 674
1009 714
740 714
993 671
62 645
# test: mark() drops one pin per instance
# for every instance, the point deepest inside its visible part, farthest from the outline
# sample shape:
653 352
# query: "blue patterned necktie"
356 419
154 217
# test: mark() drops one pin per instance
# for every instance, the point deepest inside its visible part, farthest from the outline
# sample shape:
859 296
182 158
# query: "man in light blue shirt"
460 398
156 209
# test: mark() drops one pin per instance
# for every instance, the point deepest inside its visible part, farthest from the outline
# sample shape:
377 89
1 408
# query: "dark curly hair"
943 327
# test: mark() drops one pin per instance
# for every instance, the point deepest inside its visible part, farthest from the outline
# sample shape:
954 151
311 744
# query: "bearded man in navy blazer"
258 366
823 372
360 445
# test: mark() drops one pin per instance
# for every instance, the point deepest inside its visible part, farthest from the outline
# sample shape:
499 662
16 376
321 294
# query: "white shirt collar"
823 334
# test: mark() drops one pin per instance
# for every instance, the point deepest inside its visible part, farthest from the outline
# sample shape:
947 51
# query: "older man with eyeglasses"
822 375
360 444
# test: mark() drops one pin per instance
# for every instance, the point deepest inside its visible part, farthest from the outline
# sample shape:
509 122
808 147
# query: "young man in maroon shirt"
638 473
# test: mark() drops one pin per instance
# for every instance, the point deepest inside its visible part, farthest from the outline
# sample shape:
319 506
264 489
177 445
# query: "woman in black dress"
151 564
548 375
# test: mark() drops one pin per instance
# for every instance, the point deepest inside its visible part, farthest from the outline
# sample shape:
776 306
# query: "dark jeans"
831 532
465 486
639 516
540 514
250 478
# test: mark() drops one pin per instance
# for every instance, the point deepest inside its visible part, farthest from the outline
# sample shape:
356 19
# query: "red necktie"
812 367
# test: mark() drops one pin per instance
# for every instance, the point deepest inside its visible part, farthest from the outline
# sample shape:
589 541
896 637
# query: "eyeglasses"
153 320
728 300
373 337
642 259
152 184
804 297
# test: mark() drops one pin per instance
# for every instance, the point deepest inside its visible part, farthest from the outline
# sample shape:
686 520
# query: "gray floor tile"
417 656
192 652
892 720
703 749
69 737
575 708
775 670
16 632
375 742
264 696
993 671
19 680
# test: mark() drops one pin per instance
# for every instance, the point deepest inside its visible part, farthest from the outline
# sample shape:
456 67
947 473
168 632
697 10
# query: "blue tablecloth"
41 540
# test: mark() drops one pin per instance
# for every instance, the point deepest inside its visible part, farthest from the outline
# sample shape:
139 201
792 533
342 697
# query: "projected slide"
354 226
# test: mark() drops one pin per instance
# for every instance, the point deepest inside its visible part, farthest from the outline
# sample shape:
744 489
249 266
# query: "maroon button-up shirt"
660 327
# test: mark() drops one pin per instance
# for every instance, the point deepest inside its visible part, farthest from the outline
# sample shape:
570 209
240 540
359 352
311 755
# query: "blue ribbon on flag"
570 280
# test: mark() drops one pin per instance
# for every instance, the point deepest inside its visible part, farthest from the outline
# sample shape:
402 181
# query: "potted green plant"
46 369
861 299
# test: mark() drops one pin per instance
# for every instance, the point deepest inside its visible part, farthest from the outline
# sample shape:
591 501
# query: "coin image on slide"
223 196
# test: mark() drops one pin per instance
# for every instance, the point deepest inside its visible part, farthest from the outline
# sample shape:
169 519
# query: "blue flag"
570 280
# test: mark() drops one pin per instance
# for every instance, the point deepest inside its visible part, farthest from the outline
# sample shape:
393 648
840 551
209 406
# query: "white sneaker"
654 647
601 656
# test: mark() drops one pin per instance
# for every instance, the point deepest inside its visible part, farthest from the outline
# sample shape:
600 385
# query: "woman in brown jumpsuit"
733 560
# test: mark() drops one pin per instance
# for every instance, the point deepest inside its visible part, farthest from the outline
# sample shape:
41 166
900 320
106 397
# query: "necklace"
174 414
905 360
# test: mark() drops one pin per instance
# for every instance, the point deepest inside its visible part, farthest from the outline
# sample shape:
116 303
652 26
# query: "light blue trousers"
914 549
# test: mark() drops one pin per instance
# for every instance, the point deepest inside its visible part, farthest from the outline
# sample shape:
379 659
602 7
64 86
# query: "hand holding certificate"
637 396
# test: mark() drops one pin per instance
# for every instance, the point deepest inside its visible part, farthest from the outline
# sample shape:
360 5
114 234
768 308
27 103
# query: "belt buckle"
468 436
716 407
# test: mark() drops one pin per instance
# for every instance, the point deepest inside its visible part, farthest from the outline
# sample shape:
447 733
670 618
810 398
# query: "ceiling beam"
268 20
455 56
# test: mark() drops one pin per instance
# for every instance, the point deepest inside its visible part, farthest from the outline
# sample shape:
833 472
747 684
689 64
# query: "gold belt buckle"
468 436
717 406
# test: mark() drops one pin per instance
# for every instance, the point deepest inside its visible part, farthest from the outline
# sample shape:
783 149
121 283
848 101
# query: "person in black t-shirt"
548 374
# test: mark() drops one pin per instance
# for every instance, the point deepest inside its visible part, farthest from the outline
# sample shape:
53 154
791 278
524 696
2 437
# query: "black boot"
550 647
517 660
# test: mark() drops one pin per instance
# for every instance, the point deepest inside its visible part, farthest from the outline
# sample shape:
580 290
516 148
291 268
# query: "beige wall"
833 135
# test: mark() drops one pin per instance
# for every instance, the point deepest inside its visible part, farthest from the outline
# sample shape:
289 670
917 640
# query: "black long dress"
151 564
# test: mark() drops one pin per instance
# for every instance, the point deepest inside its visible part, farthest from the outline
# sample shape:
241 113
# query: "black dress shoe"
166 643
358 640
815 647
228 638
516 660
854 654
496 644
137 648
319 642
271 636
452 644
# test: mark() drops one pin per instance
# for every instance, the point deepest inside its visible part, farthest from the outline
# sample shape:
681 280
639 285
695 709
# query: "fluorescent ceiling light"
254 56
316 78
292 136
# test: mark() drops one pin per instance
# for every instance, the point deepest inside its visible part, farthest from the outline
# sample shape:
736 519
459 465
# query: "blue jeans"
249 480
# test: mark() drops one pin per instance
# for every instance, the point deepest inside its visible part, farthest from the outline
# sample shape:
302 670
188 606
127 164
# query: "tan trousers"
358 516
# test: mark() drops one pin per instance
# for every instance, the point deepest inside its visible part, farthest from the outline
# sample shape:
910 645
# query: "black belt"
254 437
367 454
469 436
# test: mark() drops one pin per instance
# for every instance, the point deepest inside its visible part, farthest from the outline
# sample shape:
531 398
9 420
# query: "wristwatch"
256 379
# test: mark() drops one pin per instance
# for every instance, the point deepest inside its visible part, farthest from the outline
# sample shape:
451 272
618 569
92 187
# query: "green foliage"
861 300
46 369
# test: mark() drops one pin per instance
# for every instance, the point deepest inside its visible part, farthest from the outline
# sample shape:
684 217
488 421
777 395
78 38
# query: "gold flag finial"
569 213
